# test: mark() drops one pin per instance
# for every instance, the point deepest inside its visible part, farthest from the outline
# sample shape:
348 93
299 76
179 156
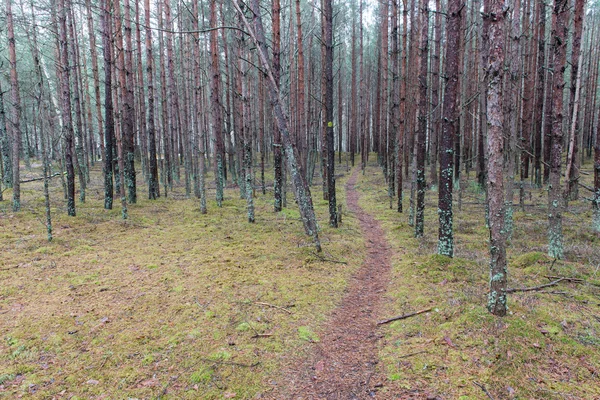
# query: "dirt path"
342 365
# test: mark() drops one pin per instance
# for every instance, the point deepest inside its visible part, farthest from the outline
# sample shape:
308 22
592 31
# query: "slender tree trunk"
277 144
153 183
217 119
200 110
395 112
109 127
77 103
328 89
493 61
436 106
403 121
129 109
15 118
93 51
560 30
65 92
449 127
572 166
539 95
423 111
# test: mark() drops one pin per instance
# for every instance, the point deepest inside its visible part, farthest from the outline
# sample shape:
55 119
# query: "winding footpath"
342 365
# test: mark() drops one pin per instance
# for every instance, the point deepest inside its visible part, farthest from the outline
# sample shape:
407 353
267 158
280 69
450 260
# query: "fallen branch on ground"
566 278
413 354
484 389
272 305
534 288
387 321
259 335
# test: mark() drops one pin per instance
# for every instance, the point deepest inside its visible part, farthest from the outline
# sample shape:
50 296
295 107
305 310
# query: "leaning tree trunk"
301 188
560 30
449 126
493 61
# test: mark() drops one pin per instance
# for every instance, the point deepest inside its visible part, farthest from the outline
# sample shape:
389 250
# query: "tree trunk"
153 183
449 127
109 127
328 89
217 119
15 118
277 144
422 128
560 30
493 61
77 102
93 51
572 167
129 110
65 92
200 110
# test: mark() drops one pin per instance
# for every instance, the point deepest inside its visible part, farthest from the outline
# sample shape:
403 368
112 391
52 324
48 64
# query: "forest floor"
174 304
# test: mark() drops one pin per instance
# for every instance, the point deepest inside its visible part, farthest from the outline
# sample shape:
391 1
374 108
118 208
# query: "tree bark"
449 127
65 92
328 89
109 127
560 30
277 144
493 61
217 119
153 183
422 128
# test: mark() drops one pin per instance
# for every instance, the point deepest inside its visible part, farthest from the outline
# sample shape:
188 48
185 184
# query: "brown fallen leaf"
320 366
448 341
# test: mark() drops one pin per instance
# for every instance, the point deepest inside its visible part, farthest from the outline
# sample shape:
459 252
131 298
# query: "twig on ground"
259 335
234 364
404 316
260 303
534 288
482 387
566 278
9 268
413 354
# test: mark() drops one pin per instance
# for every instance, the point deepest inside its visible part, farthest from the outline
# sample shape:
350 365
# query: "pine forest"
300 199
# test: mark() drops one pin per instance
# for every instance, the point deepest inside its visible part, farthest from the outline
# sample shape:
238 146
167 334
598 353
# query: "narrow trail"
342 365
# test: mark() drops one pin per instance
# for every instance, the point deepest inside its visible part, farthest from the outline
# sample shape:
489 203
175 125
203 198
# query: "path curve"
342 365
